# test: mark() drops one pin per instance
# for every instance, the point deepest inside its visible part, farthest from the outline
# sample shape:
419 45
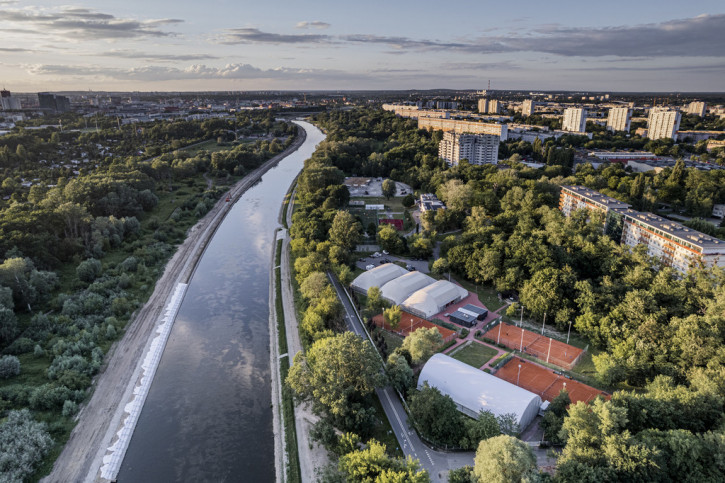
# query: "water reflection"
208 414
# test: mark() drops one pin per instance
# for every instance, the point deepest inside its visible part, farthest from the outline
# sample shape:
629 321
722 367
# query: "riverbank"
101 417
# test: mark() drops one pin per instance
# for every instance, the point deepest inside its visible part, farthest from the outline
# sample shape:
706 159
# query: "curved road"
438 463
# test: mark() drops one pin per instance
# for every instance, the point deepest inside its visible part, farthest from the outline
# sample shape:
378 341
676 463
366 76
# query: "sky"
203 45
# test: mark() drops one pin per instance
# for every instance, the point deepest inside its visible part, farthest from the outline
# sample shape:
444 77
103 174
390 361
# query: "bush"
49 397
69 408
24 442
464 333
89 270
9 367
22 345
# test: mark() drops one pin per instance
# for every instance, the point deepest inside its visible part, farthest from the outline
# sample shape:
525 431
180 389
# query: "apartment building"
476 148
528 108
575 119
488 106
471 127
676 245
696 108
663 123
620 119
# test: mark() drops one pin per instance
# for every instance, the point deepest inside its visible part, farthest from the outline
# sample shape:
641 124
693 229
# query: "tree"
504 459
336 371
389 188
345 231
462 475
399 372
374 464
88 270
392 316
24 443
8 325
375 300
484 427
422 344
314 285
554 418
436 416
389 239
409 200
441 266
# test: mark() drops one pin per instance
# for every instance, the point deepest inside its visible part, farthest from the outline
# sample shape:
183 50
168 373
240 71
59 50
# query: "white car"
369 267
385 252
376 255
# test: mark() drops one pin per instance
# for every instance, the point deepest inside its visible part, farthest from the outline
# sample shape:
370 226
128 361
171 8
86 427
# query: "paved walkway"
472 331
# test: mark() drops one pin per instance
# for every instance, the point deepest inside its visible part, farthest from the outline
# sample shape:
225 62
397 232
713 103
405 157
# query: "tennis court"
543 348
545 382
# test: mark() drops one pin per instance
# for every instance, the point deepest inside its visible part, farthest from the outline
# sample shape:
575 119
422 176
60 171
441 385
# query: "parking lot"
374 187
420 265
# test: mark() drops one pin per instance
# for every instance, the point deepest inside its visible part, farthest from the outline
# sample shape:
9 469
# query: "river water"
208 414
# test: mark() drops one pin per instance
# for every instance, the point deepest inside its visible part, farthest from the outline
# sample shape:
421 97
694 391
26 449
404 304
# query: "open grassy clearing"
475 354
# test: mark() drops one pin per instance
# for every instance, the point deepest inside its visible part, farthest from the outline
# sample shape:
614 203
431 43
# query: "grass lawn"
392 204
393 341
475 354
383 432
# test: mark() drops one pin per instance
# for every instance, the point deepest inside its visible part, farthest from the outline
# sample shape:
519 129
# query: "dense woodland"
658 335
81 249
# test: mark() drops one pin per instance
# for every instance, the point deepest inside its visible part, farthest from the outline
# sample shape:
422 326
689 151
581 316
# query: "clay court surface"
410 323
545 382
561 354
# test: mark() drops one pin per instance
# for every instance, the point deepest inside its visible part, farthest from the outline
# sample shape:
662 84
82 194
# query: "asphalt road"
437 463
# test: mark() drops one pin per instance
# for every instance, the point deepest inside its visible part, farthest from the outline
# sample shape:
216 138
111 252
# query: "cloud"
315 24
75 23
197 71
700 36
134 54
254 36
14 49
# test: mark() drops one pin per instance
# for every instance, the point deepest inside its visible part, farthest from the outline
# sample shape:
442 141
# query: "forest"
82 247
657 335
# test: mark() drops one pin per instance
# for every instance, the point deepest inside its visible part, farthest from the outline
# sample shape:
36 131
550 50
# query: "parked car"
376 255
369 267
385 252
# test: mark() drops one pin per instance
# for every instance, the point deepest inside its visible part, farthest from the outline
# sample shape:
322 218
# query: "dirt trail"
100 418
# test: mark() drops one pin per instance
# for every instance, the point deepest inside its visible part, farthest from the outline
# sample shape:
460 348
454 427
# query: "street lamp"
568 333
517 377
542 325
521 322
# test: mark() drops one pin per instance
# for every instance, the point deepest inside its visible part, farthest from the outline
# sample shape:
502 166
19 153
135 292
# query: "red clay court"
543 348
545 382
406 326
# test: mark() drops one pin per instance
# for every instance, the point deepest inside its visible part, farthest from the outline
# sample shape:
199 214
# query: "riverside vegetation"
87 224
657 336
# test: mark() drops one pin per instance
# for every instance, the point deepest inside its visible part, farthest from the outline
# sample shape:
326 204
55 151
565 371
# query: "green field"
487 295
475 354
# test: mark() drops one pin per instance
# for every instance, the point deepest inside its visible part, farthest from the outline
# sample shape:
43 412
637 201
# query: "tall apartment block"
8 102
663 123
53 102
483 105
528 108
620 118
462 127
488 106
696 108
476 148
674 244
575 119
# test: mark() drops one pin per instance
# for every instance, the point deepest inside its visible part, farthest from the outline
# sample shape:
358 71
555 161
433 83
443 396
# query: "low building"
434 298
468 315
377 277
430 202
718 211
474 391
399 289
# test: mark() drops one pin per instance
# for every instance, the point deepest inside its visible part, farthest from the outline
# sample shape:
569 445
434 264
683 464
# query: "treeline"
79 256
658 331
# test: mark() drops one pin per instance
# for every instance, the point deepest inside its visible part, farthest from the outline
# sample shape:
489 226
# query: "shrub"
89 270
69 408
9 367
22 345
24 442
464 333
49 396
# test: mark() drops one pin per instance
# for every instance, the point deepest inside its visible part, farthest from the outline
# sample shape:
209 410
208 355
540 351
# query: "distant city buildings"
528 108
446 105
620 119
663 123
696 108
457 126
575 119
674 244
476 148
8 102
488 106
53 102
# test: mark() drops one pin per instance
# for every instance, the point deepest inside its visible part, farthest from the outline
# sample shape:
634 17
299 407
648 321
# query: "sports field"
543 348
545 382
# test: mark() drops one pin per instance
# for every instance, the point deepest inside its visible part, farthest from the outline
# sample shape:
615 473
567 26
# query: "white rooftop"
378 276
399 289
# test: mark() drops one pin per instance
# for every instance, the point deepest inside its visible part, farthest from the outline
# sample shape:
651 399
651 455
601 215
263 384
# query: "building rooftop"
671 229
596 197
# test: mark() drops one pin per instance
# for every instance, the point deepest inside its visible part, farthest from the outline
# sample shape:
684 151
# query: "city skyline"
103 45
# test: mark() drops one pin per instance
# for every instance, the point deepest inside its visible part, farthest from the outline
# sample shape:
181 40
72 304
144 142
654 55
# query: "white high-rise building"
575 119
488 106
663 123
8 102
528 107
476 148
619 119
483 105
696 108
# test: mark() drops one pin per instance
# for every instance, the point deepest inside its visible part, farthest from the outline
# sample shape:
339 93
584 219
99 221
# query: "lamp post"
521 322
519 376
568 333
411 327
542 325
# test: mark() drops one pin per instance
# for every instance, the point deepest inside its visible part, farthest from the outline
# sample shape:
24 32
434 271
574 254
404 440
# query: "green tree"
399 372
408 200
389 188
484 427
392 316
389 239
336 371
375 300
504 459
441 266
314 285
436 416
373 464
462 475
345 231
554 417
422 343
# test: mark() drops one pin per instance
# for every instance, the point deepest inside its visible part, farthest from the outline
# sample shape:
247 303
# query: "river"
208 414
